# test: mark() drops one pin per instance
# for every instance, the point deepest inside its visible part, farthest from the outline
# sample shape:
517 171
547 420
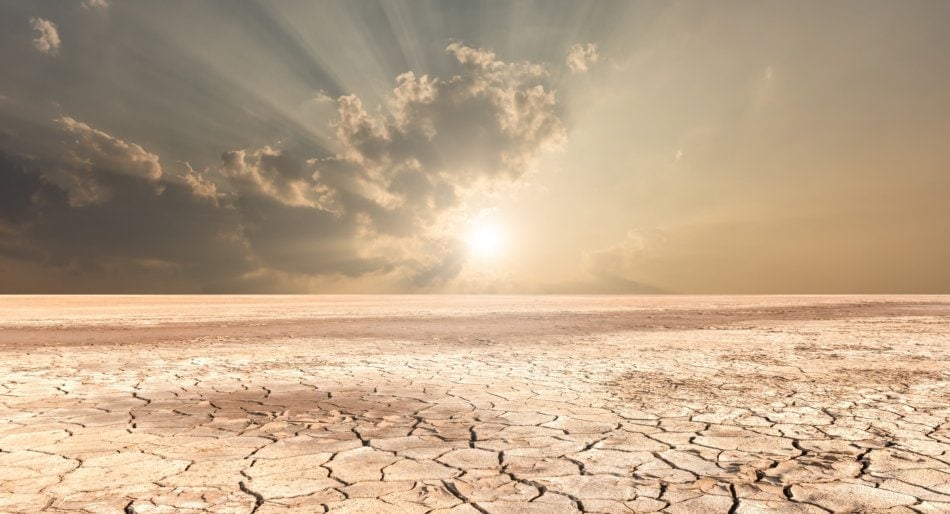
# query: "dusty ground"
484 404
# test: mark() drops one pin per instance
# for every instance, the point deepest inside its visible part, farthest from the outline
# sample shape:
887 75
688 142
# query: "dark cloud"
96 204
19 190
99 206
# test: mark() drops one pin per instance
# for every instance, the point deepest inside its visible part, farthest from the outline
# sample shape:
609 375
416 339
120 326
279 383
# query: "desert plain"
467 404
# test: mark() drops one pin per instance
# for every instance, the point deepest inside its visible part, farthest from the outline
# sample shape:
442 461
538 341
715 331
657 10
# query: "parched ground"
475 404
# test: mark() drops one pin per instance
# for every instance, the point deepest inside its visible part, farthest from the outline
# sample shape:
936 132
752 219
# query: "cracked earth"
474 404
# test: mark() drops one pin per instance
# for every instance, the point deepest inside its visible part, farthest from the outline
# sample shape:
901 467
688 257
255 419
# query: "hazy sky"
702 147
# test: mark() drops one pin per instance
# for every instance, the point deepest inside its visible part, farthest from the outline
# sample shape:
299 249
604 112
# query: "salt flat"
475 404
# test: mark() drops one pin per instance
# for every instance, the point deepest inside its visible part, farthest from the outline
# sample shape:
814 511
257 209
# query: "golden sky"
569 147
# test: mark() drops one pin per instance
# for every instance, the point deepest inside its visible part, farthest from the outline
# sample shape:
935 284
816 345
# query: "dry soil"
474 404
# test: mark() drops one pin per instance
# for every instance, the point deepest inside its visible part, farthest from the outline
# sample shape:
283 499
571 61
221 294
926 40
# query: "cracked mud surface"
484 404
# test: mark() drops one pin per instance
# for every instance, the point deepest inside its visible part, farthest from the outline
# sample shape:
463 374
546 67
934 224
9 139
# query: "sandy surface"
475 404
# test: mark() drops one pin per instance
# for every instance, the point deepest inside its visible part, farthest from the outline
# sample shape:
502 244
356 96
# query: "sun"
486 240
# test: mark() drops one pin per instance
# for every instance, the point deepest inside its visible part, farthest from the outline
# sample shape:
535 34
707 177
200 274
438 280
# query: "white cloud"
93 155
94 147
201 186
488 122
47 38
95 4
275 174
581 57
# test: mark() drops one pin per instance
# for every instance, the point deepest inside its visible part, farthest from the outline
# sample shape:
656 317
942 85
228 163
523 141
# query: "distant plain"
423 403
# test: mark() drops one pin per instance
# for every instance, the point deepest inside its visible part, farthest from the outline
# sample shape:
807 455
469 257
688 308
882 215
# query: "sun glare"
486 240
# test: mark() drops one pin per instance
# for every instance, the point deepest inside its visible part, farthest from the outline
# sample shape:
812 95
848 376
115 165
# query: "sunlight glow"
486 240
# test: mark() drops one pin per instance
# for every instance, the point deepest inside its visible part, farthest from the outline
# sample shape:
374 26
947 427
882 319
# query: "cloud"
95 4
386 204
130 240
93 147
91 157
490 121
381 202
201 186
581 57
47 38
449 263
20 191
273 173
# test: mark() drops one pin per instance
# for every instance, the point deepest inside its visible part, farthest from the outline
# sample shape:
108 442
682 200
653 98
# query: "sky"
468 147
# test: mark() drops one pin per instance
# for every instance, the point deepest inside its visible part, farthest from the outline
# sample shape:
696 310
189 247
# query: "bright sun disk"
486 240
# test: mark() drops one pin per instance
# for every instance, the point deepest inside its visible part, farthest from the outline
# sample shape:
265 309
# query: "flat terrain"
475 404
